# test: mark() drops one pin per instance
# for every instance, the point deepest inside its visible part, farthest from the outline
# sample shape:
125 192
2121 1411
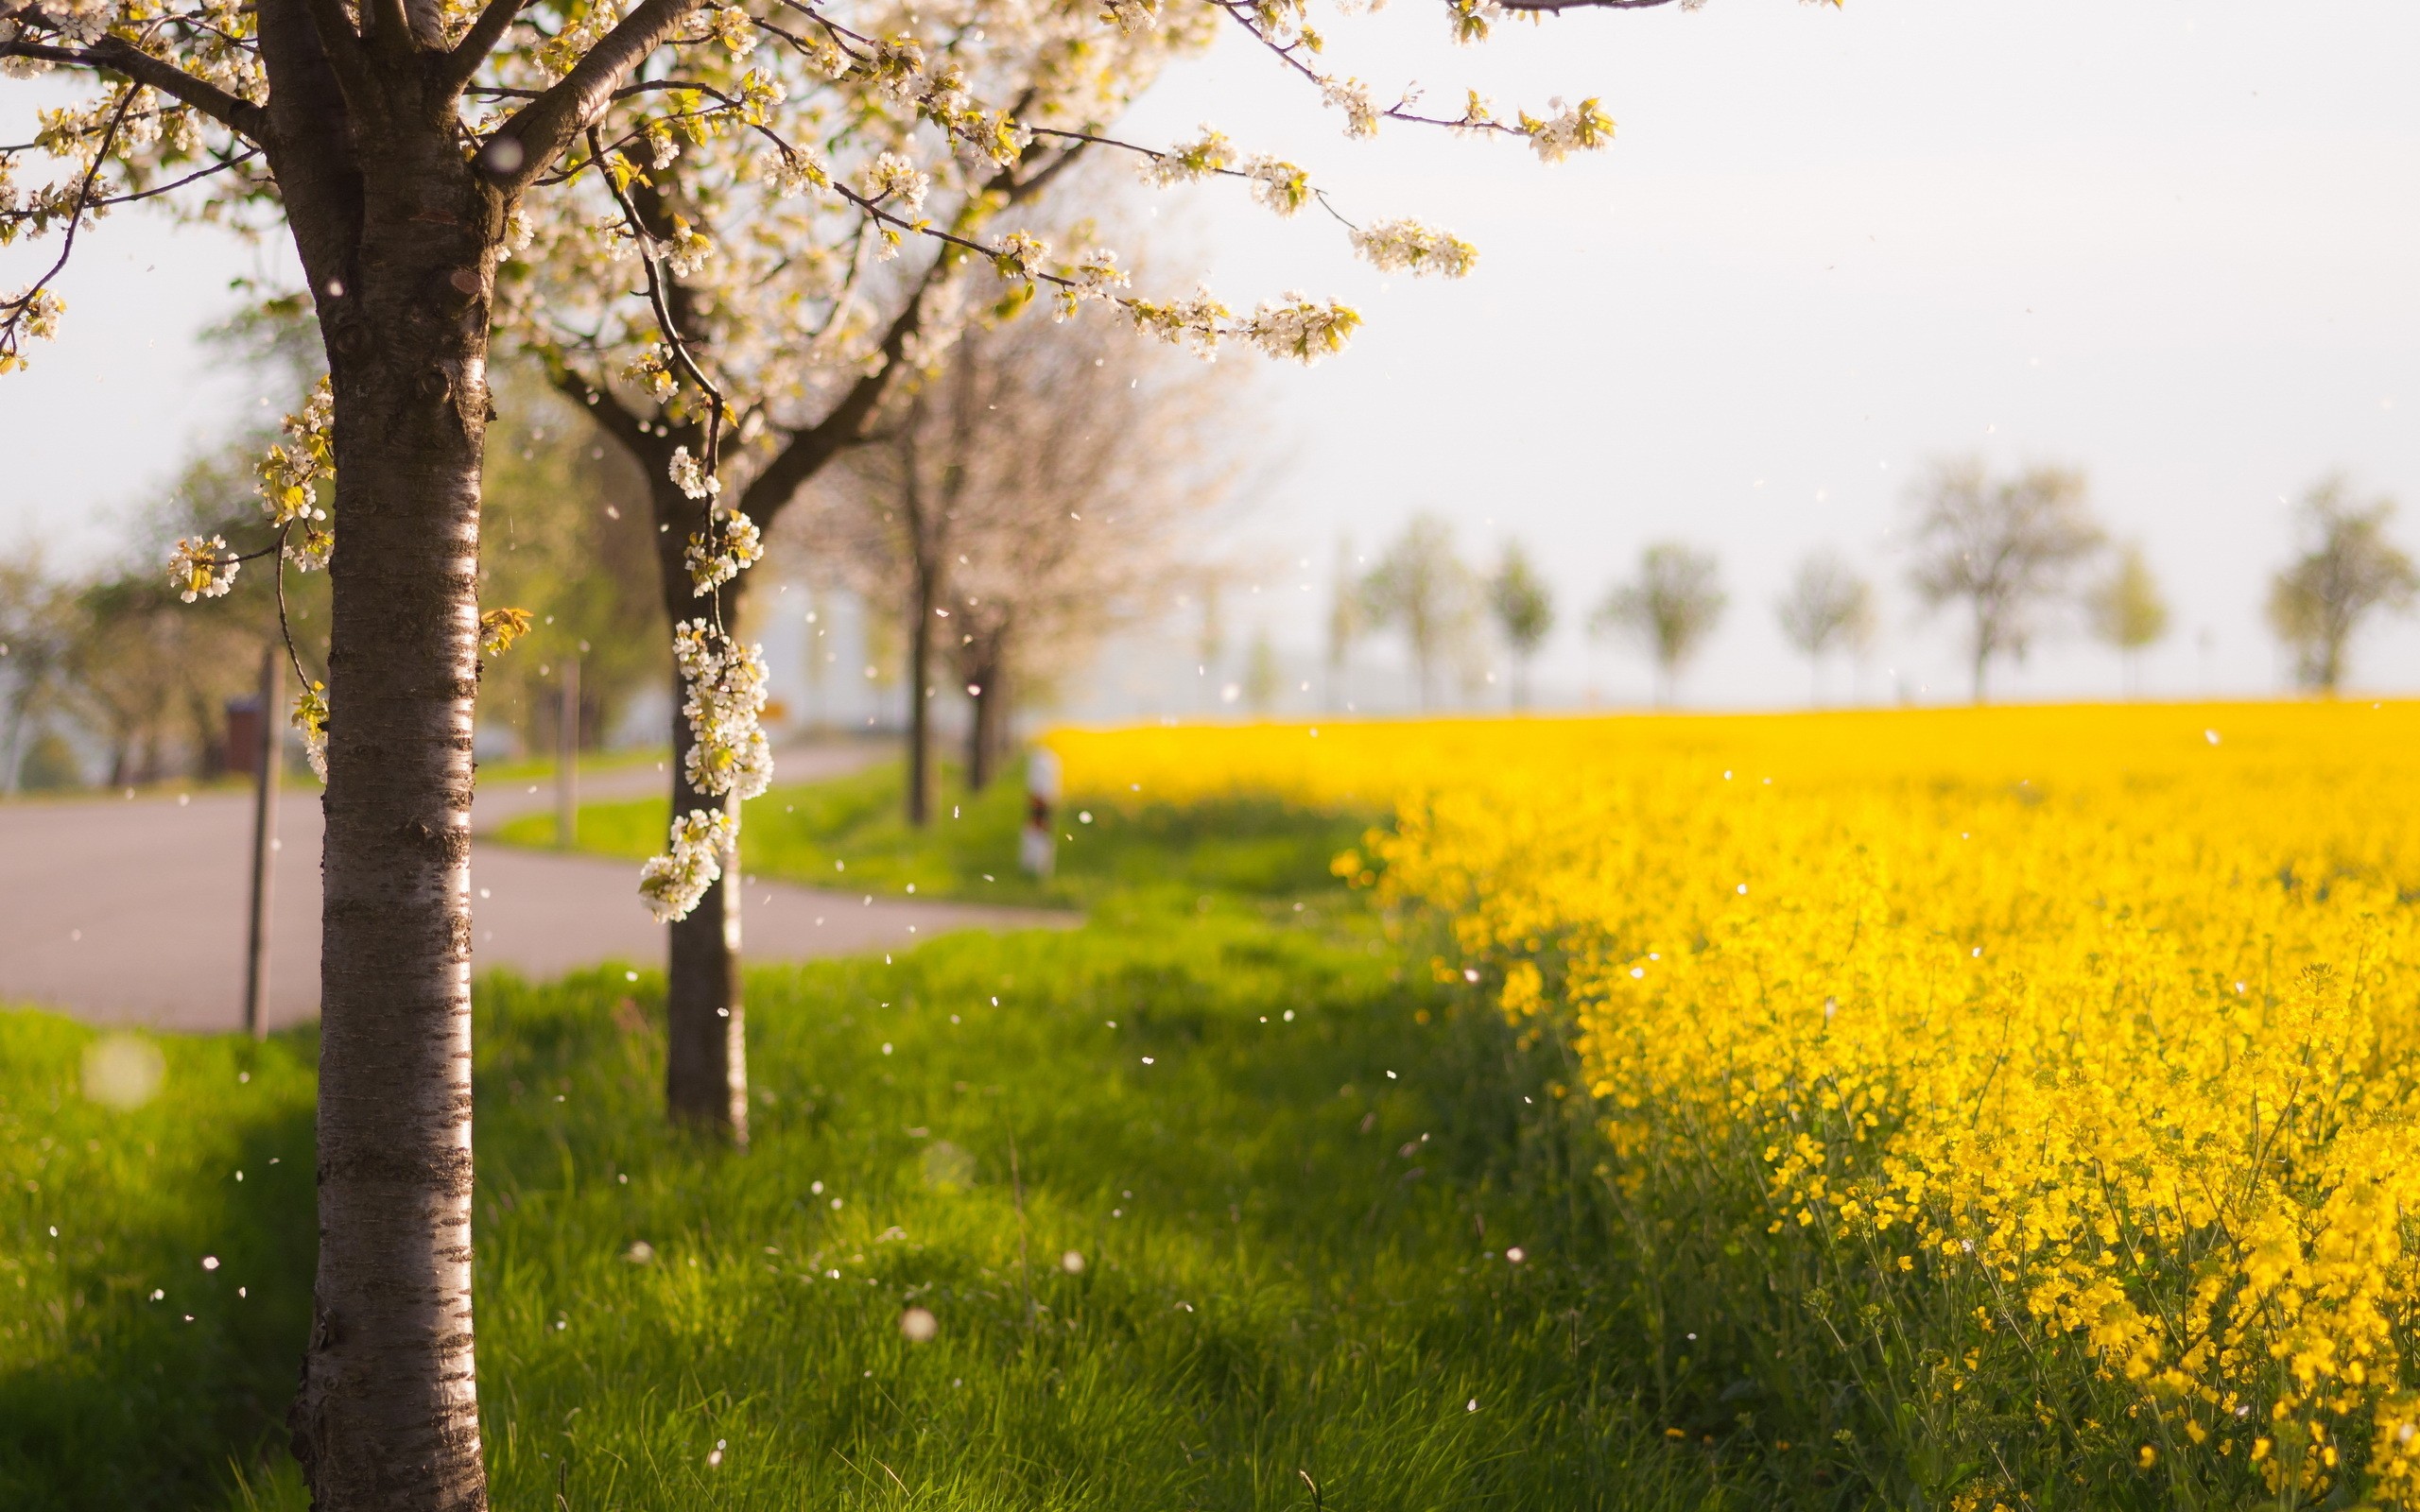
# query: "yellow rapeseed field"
2045 1081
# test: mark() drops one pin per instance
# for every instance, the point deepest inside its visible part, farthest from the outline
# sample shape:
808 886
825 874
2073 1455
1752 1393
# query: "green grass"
1293 1218
851 833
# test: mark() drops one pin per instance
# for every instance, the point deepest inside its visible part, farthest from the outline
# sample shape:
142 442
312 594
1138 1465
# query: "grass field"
1962 1110
1294 1173
852 832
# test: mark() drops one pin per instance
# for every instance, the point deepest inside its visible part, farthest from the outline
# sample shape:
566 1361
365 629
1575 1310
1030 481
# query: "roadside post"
1038 847
264 771
567 759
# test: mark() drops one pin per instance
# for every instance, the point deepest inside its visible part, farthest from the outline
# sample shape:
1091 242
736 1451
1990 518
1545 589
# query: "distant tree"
1828 608
1264 677
1039 493
36 616
2317 603
1422 588
2126 609
566 532
1346 617
1669 608
1524 609
2006 550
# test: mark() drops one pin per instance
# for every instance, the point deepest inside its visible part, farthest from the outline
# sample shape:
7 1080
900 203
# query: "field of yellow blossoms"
2022 1105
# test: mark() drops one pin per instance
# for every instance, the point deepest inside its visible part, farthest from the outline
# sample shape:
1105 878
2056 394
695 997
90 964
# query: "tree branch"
546 124
118 56
468 54
807 450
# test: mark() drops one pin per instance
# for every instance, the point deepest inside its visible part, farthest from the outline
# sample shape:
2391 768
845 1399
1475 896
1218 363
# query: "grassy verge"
850 833
1210 1208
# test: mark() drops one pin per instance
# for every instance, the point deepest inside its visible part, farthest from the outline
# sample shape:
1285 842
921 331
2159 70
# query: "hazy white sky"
2175 244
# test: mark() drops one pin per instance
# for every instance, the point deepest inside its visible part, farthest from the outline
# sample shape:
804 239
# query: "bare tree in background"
36 616
1035 497
2127 611
1421 586
2007 550
1524 609
1346 614
1829 608
1670 606
2318 602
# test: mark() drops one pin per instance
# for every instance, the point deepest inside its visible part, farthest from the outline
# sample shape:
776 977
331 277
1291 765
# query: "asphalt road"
131 910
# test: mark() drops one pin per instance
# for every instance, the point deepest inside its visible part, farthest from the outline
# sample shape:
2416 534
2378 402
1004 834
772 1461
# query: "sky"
2171 244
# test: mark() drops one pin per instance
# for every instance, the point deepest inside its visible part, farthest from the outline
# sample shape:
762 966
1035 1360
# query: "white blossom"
310 716
1130 16
725 682
293 468
1408 245
795 172
891 174
1583 128
1278 186
689 250
1205 155
730 546
1020 254
1094 275
1192 322
651 369
734 30
1295 326
1351 96
200 568
674 883
690 476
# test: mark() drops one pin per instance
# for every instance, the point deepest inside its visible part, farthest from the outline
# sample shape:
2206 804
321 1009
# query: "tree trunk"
919 707
705 1069
388 1414
987 727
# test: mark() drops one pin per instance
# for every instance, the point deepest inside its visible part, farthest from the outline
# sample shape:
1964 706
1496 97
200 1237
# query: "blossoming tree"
408 147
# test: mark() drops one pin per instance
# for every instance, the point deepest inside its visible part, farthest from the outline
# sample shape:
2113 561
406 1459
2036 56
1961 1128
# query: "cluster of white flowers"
1297 327
1278 186
1192 322
1130 16
1205 155
891 174
201 569
1094 275
651 369
1583 128
1393 245
311 717
734 30
673 883
691 477
1020 254
83 21
664 149
898 67
796 172
1472 19
728 546
1351 96
294 468
689 250
728 753
37 318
